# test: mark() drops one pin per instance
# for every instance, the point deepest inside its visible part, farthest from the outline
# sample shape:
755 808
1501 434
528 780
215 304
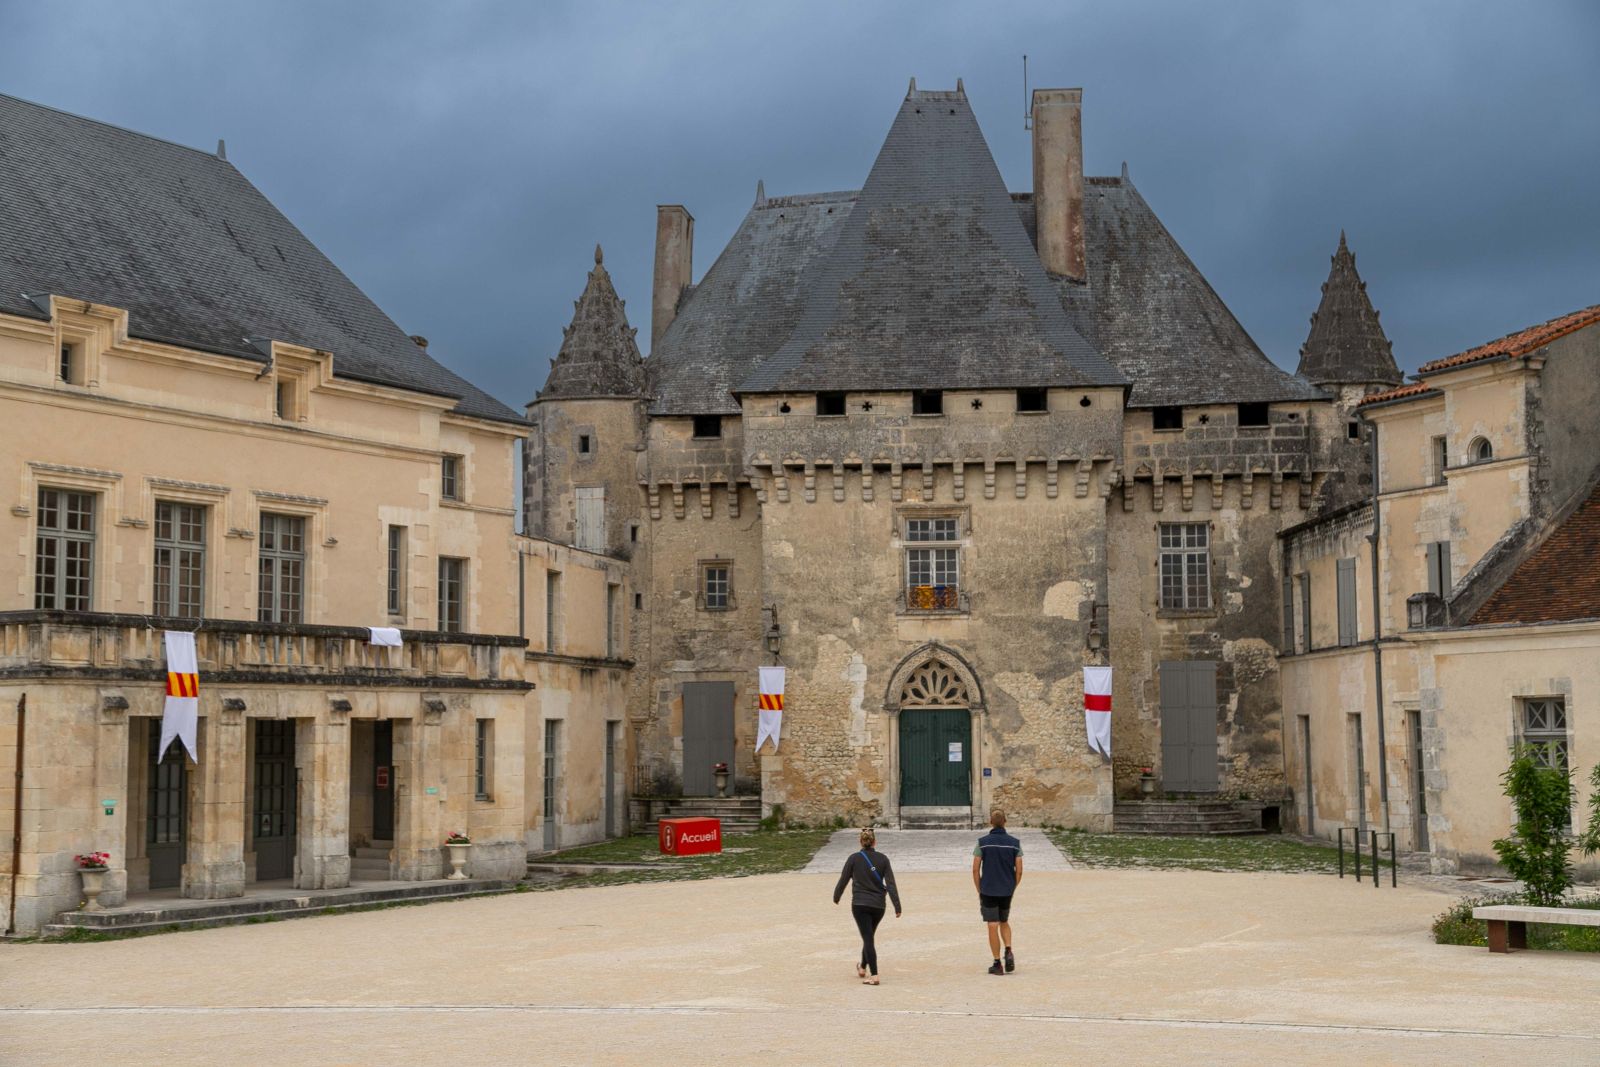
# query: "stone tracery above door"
933 677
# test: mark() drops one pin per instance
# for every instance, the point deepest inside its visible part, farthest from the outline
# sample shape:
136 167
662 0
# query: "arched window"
1480 451
935 685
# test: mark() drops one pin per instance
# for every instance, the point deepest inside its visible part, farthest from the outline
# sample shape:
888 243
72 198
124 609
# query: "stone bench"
1508 923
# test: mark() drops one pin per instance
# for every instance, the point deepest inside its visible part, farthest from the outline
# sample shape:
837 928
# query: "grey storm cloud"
460 161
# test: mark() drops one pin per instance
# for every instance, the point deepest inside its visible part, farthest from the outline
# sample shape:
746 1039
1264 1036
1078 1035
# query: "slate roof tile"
599 356
1347 343
193 251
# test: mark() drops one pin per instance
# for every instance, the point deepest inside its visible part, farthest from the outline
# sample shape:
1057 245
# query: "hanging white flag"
384 636
771 706
180 717
1097 708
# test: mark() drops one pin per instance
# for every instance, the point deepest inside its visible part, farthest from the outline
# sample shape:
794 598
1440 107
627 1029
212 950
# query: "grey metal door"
274 799
1189 726
611 779
1310 799
166 812
1419 794
552 767
383 780
707 734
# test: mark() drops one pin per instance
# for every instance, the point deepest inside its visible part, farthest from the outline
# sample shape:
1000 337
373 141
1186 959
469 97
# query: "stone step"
372 853
194 915
1185 831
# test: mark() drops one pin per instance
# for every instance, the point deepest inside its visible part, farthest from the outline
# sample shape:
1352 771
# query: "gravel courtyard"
1113 965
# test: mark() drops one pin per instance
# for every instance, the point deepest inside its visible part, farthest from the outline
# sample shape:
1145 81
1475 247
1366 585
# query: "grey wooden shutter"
1347 601
591 526
1433 569
1305 610
1445 584
1288 615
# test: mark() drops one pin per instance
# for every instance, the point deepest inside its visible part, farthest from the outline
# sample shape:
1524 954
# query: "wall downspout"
16 814
1377 636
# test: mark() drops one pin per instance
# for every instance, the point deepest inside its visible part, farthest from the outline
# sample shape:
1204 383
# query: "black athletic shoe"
997 968
1011 962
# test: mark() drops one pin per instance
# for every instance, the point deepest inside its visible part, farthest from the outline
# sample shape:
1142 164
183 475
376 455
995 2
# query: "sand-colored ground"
1114 967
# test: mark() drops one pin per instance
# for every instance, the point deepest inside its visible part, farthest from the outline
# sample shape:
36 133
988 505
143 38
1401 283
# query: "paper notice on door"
955 752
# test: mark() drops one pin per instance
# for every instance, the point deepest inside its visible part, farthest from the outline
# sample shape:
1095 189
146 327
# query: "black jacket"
866 891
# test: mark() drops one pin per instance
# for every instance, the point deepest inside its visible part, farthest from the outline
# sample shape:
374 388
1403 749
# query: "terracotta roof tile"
1520 343
1403 393
1559 582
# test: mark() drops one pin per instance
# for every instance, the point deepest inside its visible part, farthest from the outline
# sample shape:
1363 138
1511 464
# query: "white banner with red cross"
1097 708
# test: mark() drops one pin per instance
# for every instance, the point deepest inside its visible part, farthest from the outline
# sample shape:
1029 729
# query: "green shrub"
1536 852
1456 926
775 821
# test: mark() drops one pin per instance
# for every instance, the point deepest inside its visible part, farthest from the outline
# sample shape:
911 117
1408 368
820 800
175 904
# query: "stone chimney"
674 266
1058 179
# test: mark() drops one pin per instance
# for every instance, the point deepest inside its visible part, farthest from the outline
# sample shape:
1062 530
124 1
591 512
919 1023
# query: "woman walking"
871 880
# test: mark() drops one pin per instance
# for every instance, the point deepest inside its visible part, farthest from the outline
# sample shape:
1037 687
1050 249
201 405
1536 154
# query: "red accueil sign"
690 837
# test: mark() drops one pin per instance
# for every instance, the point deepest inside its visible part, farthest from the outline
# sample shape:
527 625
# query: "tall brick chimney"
1058 179
674 266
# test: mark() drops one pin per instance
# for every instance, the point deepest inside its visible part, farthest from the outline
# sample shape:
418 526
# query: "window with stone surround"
180 560
716 585
452 594
450 477
483 760
282 568
63 573
1542 727
1185 566
933 563
1439 455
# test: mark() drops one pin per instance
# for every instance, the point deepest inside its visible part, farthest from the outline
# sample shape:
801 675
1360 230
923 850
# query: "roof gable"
933 281
191 249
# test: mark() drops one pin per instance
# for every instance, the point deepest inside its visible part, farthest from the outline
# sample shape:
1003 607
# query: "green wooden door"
935 757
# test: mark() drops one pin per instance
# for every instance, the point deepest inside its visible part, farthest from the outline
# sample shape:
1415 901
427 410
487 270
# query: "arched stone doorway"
933 695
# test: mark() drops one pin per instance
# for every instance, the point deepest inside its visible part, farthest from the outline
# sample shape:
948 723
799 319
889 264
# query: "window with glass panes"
933 574
452 594
180 560
1544 730
282 568
1185 566
396 571
716 586
450 477
63 573
483 752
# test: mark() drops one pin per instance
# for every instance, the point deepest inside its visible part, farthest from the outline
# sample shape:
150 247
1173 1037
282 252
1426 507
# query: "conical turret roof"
1347 344
599 356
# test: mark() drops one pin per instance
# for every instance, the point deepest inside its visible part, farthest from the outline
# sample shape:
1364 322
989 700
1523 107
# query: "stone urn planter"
94 868
1147 784
460 847
721 773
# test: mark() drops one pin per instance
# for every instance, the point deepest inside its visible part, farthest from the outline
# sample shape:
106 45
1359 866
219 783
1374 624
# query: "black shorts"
994 909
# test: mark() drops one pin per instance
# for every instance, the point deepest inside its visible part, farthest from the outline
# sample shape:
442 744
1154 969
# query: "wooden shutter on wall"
591 525
1305 611
1288 615
1347 601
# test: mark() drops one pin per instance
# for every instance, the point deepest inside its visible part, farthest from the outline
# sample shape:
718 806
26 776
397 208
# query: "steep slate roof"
933 281
1520 343
1347 344
745 306
1559 581
190 248
1155 316
599 356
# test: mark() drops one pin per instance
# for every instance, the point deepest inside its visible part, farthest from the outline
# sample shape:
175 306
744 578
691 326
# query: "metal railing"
934 598
1373 836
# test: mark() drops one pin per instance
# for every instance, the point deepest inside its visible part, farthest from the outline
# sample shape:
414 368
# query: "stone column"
110 822
214 869
322 837
420 794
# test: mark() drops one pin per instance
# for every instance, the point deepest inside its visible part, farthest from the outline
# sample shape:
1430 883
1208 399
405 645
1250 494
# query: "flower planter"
1147 785
722 783
94 879
458 861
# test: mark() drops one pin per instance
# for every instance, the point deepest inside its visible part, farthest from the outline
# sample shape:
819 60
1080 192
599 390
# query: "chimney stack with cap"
674 266
1058 179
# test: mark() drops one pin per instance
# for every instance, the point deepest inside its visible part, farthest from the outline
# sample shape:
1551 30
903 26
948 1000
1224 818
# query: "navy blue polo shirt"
999 851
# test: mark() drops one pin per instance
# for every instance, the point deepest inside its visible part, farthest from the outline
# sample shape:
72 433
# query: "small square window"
1254 414
583 444
1352 430
1167 418
927 402
708 425
1033 400
830 404
716 586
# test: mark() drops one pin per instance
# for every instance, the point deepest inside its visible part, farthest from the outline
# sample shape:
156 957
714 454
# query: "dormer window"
1033 400
708 425
1167 418
927 402
69 369
830 405
1480 451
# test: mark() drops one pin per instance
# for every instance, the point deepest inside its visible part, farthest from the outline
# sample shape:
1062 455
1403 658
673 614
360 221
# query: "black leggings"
867 920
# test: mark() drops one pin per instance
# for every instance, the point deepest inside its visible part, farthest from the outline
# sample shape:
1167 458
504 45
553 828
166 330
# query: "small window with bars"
63 574
452 594
716 586
1185 566
483 760
180 560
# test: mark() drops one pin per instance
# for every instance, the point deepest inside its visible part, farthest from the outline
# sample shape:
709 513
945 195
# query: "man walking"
996 870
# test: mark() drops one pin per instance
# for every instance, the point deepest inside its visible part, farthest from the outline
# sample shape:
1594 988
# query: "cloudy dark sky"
460 160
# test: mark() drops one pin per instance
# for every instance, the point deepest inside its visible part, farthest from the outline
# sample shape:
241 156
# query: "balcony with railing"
67 644
934 600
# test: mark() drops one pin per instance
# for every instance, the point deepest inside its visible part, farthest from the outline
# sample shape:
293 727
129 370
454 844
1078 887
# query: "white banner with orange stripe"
180 718
1097 708
771 706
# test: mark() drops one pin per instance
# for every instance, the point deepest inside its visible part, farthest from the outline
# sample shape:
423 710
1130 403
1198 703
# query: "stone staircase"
1185 816
935 818
180 914
739 815
371 864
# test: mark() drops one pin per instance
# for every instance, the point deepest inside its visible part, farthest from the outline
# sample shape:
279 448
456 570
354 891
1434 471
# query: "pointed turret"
599 356
1347 345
